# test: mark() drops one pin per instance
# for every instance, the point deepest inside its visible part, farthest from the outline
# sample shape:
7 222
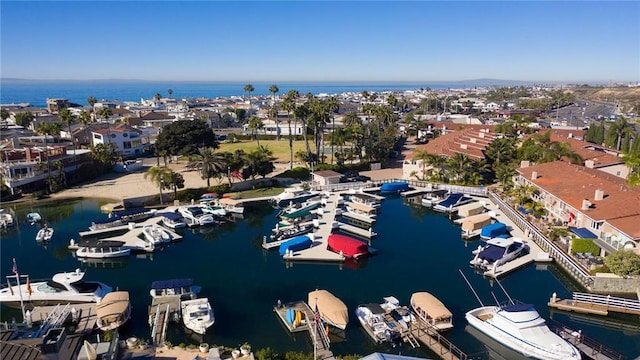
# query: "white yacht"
521 328
293 195
231 205
194 216
68 287
497 251
172 220
155 234
197 315
372 318
210 207
99 249
6 219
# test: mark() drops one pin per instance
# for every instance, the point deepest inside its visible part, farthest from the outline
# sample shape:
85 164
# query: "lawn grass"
254 193
280 148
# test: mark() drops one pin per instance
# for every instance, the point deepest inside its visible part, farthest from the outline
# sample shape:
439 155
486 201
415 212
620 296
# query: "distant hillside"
629 97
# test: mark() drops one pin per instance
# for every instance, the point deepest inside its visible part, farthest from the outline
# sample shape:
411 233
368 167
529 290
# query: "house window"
97 136
126 144
596 224
125 135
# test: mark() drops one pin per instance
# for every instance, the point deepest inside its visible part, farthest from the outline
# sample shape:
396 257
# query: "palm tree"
289 104
255 124
632 160
91 101
157 97
333 105
211 163
48 129
170 92
157 175
619 129
249 89
460 167
273 89
301 112
67 117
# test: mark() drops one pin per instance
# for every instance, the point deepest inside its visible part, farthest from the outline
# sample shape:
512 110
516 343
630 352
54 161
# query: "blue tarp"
493 230
171 284
452 199
394 186
491 253
171 215
297 243
583 233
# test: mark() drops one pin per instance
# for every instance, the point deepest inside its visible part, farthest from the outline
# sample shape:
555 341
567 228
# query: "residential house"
588 199
325 177
127 141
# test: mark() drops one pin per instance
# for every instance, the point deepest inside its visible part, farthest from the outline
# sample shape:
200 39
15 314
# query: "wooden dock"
592 348
414 192
595 304
316 331
367 234
361 218
441 346
161 311
83 315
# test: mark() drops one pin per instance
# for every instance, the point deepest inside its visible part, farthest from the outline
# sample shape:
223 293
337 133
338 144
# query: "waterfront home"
596 204
126 142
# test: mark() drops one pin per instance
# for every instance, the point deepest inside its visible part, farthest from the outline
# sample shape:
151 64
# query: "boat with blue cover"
498 251
296 244
394 187
172 220
493 230
452 202
184 288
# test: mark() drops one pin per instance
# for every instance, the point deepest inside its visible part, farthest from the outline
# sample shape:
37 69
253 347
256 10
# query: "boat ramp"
306 322
595 304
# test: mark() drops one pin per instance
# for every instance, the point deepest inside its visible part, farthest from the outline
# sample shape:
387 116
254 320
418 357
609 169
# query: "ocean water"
37 92
419 250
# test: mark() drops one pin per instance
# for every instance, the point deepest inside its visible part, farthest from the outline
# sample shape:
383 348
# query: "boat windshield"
85 287
199 314
51 287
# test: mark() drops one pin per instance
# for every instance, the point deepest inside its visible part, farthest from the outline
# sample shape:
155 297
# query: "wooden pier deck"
591 347
161 311
318 250
441 346
84 315
596 304
133 238
418 191
365 219
367 234
320 340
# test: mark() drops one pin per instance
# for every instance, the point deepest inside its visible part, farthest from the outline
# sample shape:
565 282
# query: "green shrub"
221 189
300 173
182 345
192 346
584 246
623 263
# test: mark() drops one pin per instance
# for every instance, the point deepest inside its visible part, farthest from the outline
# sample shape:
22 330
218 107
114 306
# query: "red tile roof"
470 140
573 184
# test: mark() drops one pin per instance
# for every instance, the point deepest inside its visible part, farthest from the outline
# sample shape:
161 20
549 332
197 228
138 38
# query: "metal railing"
467 190
562 258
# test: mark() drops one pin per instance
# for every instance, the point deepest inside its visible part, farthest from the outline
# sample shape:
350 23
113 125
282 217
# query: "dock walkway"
592 348
162 310
52 316
441 346
596 304
315 331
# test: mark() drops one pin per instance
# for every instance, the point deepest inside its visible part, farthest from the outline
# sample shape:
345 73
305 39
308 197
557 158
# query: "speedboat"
332 310
210 208
433 197
113 310
6 219
44 234
194 215
497 251
33 218
291 232
431 310
197 315
68 287
155 234
401 314
300 209
293 195
99 249
122 218
172 220
452 202
372 318
521 328
182 288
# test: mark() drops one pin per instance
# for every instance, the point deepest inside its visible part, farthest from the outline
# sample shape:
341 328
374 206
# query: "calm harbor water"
418 251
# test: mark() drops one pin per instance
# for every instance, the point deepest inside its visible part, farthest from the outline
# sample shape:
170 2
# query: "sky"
573 41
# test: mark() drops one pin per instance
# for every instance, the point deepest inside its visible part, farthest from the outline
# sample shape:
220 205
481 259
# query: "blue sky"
298 41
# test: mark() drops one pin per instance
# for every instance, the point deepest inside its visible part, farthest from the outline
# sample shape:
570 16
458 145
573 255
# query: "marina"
595 304
400 247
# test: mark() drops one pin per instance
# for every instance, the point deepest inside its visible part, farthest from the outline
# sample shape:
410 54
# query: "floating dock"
84 315
592 348
133 238
367 234
162 310
362 218
414 192
595 304
316 331
441 346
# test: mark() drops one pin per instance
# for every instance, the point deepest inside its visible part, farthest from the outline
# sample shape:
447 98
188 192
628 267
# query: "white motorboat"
520 327
33 218
231 205
94 249
291 231
113 310
433 197
332 310
452 202
172 220
300 209
68 287
6 219
431 310
182 288
372 318
197 315
194 216
210 208
122 218
44 234
293 195
401 314
497 251
155 234
364 199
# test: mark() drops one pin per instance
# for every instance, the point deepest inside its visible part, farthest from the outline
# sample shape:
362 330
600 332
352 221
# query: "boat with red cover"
348 246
